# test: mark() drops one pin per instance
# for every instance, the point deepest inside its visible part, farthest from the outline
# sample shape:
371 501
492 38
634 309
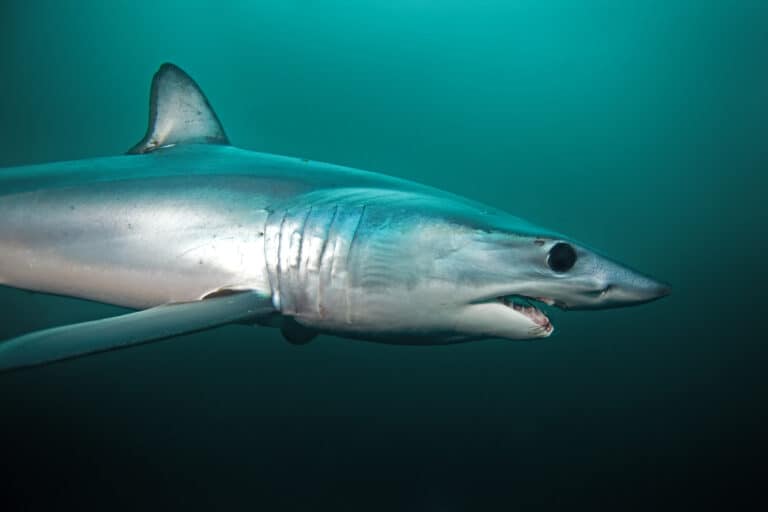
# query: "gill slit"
323 249
347 261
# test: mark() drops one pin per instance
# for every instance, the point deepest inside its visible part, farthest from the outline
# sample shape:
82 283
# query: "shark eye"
561 257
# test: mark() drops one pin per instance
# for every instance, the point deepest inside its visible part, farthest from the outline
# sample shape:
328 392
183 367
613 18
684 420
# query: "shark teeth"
522 305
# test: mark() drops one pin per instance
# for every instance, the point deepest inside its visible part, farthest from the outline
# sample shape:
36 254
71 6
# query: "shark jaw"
515 317
523 306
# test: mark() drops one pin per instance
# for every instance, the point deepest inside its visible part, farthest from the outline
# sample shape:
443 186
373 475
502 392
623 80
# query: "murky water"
637 129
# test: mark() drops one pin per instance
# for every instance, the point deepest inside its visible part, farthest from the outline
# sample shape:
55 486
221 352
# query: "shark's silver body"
331 249
182 223
173 225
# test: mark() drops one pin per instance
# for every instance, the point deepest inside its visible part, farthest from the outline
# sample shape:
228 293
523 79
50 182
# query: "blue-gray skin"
207 234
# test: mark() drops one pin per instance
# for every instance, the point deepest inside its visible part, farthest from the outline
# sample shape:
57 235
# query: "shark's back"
196 160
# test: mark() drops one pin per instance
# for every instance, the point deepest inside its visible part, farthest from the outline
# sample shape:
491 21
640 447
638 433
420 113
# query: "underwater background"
637 127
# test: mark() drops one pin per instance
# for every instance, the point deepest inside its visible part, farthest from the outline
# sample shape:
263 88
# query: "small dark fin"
179 113
295 333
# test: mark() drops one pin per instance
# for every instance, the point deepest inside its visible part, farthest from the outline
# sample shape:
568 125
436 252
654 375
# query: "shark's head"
509 275
436 265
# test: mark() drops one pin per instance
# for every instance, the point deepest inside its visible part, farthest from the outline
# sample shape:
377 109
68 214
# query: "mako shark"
195 234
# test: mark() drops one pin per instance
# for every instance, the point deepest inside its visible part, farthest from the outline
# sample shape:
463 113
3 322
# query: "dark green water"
637 127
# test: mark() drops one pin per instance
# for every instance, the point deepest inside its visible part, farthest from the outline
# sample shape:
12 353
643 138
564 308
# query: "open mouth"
524 305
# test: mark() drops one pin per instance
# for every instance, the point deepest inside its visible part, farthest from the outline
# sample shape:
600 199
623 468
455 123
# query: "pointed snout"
637 290
620 286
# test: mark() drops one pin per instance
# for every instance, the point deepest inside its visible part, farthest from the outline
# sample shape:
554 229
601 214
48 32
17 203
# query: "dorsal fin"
179 113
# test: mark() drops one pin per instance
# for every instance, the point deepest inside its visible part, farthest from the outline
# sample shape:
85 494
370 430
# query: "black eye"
561 257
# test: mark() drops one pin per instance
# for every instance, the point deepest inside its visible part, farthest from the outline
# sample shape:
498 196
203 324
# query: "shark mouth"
524 306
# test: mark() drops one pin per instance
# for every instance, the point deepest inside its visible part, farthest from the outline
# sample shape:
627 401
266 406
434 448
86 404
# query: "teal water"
636 127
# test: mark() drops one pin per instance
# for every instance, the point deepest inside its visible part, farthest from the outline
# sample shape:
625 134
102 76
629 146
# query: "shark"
192 233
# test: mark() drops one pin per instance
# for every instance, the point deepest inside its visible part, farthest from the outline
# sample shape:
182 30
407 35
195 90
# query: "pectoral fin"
149 325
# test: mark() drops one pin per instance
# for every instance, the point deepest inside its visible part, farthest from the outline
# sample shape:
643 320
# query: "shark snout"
624 287
603 283
638 290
